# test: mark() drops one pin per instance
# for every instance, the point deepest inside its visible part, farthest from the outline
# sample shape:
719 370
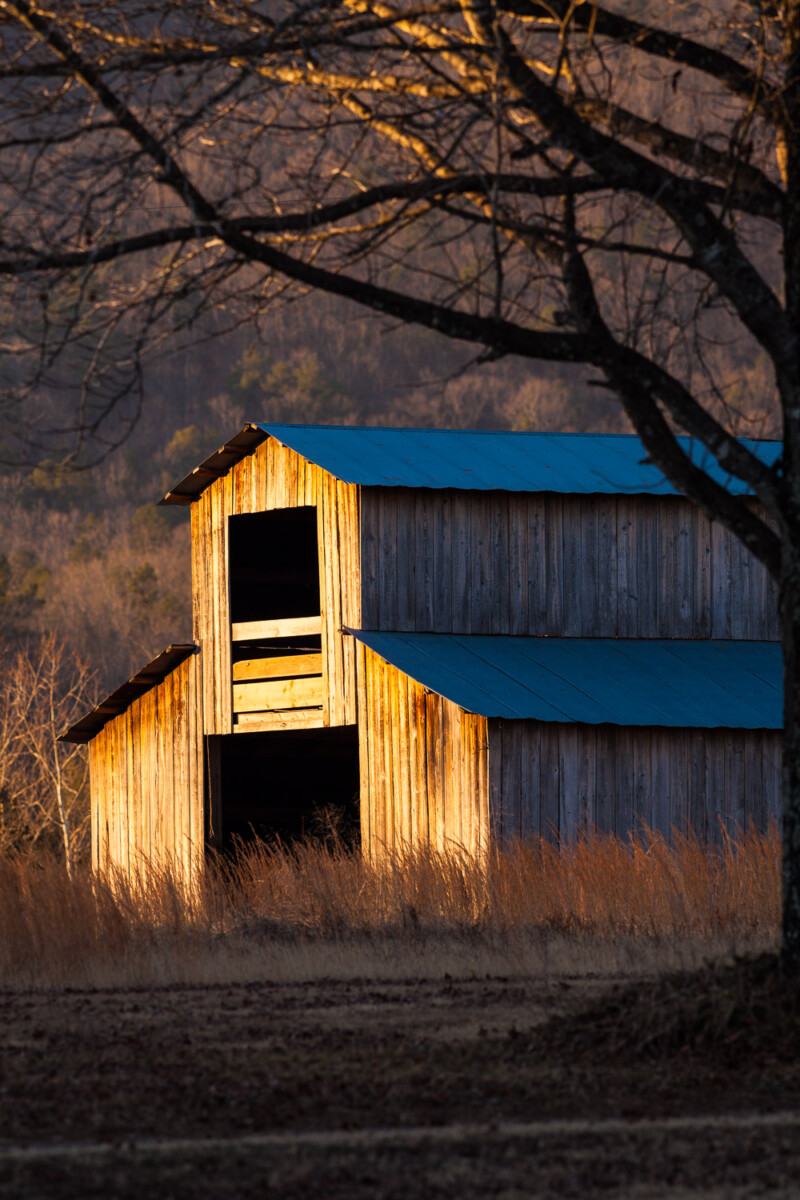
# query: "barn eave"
155 672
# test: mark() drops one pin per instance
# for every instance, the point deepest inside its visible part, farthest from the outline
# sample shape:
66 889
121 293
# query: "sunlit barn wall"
275 477
146 768
423 764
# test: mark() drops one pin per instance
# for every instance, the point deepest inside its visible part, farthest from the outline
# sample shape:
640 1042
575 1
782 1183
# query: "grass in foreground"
596 904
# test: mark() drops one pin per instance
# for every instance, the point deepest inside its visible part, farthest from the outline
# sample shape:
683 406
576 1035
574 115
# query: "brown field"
306 1025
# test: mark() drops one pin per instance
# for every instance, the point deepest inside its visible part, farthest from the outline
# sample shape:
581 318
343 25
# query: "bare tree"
550 179
43 782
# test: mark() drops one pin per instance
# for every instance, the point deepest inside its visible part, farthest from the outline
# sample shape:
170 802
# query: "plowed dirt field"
412 1089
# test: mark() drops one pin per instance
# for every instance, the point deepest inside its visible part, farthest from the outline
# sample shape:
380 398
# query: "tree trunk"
790 630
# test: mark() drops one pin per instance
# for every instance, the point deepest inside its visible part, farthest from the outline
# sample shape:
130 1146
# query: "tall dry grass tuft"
278 912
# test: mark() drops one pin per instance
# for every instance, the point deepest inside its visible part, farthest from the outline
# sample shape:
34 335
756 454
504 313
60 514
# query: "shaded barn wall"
549 778
565 566
275 477
423 764
146 773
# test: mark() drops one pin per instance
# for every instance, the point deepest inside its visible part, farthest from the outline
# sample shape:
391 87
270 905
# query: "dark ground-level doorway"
288 785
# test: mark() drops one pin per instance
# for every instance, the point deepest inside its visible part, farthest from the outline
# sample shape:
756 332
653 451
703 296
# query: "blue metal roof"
596 681
475 460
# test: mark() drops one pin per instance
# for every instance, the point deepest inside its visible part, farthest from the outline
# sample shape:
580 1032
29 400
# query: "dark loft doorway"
273 564
288 785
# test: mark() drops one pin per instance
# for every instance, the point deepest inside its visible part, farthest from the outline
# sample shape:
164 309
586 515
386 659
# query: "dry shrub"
310 910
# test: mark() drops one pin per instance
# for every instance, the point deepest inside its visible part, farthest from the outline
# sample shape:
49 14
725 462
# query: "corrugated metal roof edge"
188 489
155 672
356 633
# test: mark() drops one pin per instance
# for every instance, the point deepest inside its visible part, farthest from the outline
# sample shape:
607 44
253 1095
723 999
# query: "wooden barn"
455 636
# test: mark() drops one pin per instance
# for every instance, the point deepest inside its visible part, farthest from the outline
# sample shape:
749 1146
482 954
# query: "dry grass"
596 904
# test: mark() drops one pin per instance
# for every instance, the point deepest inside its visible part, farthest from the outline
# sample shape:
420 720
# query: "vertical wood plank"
661 779
460 563
464 767
401 565
607 595
627 595
531 822
549 783
365 825
715 784
642 798
510 775
437 816
500 571
518 563
441 505
772 758
389 566
679 778
452 822
587 750
702 574
481 564
372 751
130 788
697 806
423 561
734 780
569 808
584 573
96 779
370 558
685 581
622 741
387 725
720 581
539 586
554 565
741 560
196 764
754 812
498 820
667 573
645 531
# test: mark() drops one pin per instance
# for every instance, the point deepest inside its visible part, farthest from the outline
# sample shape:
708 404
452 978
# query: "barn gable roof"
595 681
466 459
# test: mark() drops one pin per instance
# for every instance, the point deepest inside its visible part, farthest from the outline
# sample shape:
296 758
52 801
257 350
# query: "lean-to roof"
148 677
595 681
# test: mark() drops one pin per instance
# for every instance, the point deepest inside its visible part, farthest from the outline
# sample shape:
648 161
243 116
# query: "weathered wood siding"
146 773
547 778
423 764
563 566
275 477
